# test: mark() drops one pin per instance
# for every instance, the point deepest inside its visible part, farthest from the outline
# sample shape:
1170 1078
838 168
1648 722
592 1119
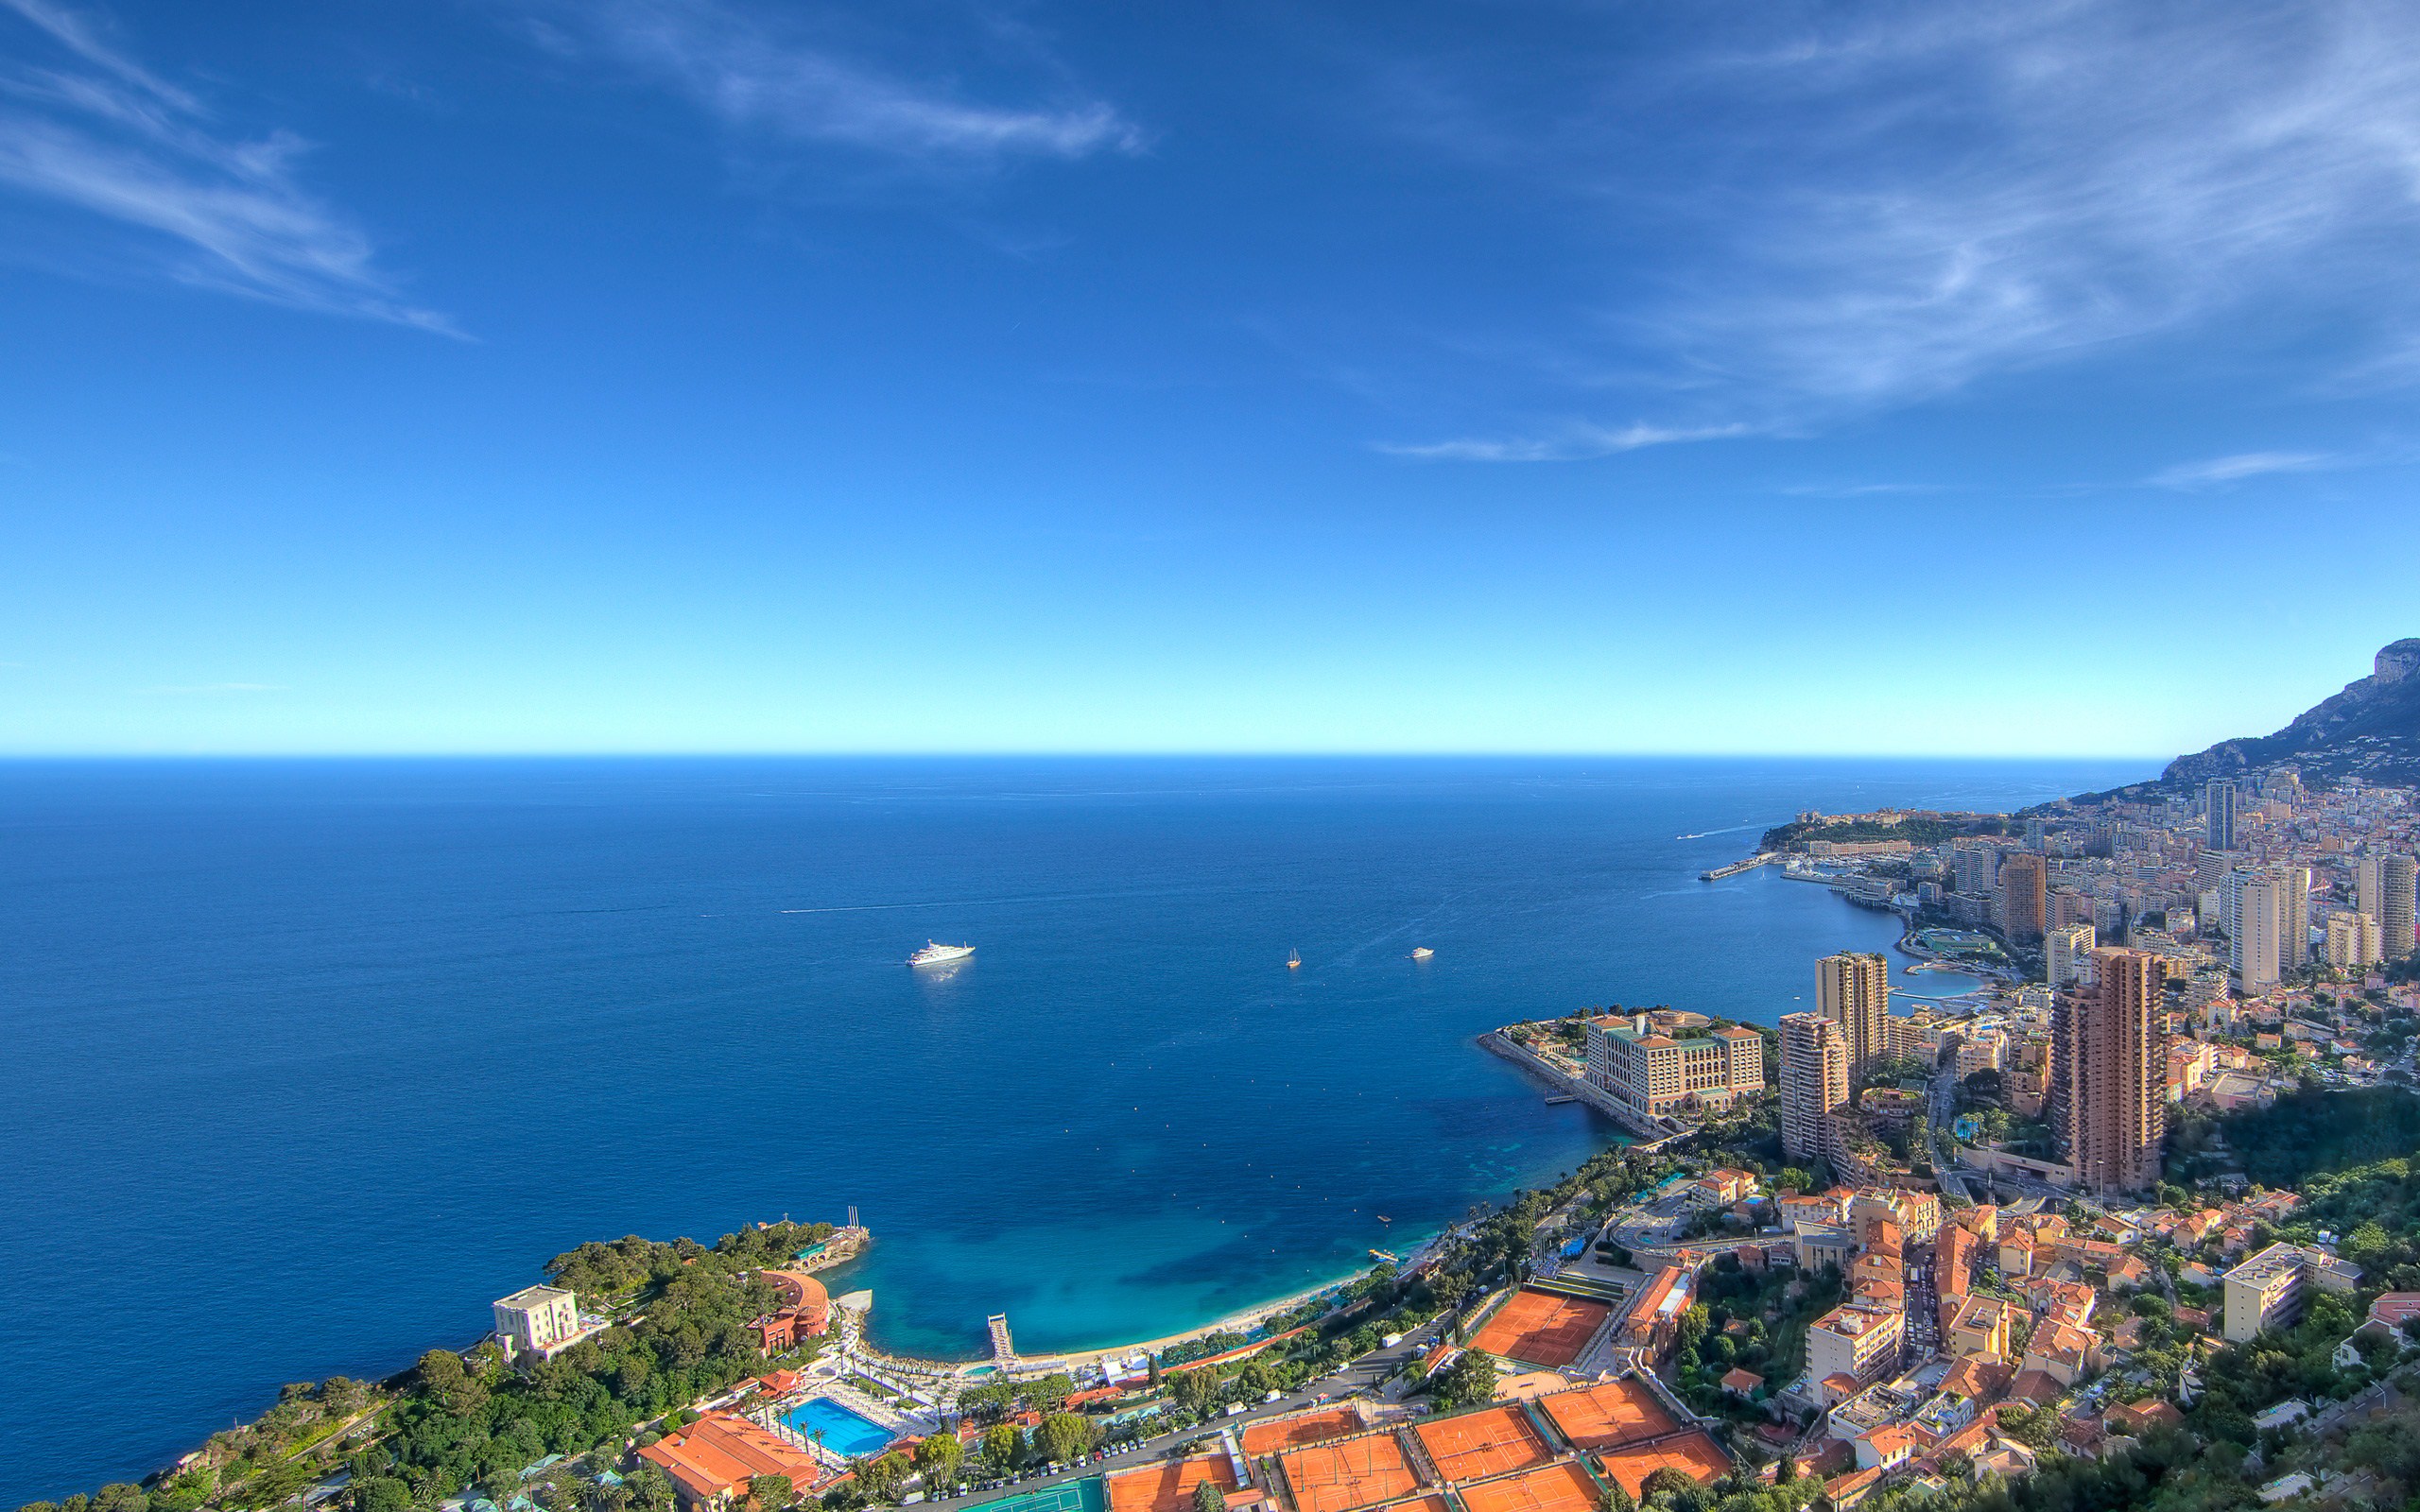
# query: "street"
1361 1375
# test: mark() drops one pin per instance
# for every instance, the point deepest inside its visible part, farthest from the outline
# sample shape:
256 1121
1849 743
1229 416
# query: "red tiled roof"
721 1449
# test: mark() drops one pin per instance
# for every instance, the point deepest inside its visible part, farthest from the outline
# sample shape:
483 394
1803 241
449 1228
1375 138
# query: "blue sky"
668 375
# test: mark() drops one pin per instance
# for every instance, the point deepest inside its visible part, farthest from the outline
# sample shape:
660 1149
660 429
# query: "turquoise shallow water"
316 1059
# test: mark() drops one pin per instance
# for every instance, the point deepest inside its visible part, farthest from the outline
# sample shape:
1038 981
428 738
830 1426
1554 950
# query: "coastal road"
1364 1374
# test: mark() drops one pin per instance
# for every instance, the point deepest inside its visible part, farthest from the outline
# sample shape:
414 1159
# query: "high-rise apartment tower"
1854 992
2252 917
2111 1050
2024 897
2218 811
2397 878
1814 1084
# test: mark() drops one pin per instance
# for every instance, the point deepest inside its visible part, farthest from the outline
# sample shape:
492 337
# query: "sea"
312 1059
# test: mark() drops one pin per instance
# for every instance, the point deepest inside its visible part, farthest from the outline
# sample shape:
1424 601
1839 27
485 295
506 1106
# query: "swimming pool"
844 1432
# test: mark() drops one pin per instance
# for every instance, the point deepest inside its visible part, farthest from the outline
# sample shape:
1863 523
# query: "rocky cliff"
2370 730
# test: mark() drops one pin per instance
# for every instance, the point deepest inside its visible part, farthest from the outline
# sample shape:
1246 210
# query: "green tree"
938 1456
1466 1382
381 1493
1667 1482
1047 1392
881 1476
1000 1444
1064 1435
649 1487
184 1492
1208 1498
772 1492
1197 1389
119 1497
441 1375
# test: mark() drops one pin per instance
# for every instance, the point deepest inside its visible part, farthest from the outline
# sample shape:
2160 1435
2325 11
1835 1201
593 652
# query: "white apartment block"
1860 1343
2266 1291
2353 940
537 1319
2069 951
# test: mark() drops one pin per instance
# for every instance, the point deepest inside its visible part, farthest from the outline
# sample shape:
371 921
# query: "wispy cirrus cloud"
787 76
2221 470
1966 193
1858 490
1824 214
1567 443
83 124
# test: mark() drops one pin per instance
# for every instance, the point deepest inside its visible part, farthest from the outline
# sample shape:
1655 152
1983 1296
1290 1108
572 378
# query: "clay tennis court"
1563 1487
1475 1445
1694 1454
1168 1488
1303 1427
1618 1412
1350 1472
1536 1328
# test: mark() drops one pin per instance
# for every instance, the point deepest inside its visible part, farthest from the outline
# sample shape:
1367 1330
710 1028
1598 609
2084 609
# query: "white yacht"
1421 953
935 954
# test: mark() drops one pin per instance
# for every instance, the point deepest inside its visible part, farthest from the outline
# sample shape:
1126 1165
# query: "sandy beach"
1239 1322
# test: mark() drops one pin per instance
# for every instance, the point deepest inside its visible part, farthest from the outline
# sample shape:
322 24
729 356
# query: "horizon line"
1056 754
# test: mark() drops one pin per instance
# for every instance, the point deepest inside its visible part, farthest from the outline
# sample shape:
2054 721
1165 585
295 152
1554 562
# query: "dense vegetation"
480 1422
457 1423
1918 832
1751 1320
2306 1133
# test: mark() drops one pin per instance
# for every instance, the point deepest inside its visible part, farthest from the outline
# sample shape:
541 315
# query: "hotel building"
1657 1074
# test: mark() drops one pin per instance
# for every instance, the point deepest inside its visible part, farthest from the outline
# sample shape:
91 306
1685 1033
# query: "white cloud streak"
776 80
2222 470
1964 192
92 130
1874 206
1570 443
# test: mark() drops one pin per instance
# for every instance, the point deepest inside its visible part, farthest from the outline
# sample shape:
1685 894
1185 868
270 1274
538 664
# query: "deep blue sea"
315 1059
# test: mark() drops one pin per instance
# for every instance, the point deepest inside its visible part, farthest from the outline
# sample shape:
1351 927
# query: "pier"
1762 858
1649 1136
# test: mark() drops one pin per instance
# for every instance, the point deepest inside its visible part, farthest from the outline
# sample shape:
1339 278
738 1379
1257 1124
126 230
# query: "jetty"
1651 1137
1762 858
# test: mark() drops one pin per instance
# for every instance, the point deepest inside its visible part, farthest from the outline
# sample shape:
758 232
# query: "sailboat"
1293 960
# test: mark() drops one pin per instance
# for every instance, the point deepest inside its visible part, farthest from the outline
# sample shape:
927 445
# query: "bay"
311 1059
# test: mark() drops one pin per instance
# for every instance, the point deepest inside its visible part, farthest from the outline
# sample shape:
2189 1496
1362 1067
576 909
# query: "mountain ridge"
2370 730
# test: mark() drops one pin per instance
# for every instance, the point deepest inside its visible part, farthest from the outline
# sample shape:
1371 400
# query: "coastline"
1243 1319
1482 975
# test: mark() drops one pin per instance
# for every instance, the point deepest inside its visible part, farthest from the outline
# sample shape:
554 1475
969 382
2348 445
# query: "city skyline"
709 376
